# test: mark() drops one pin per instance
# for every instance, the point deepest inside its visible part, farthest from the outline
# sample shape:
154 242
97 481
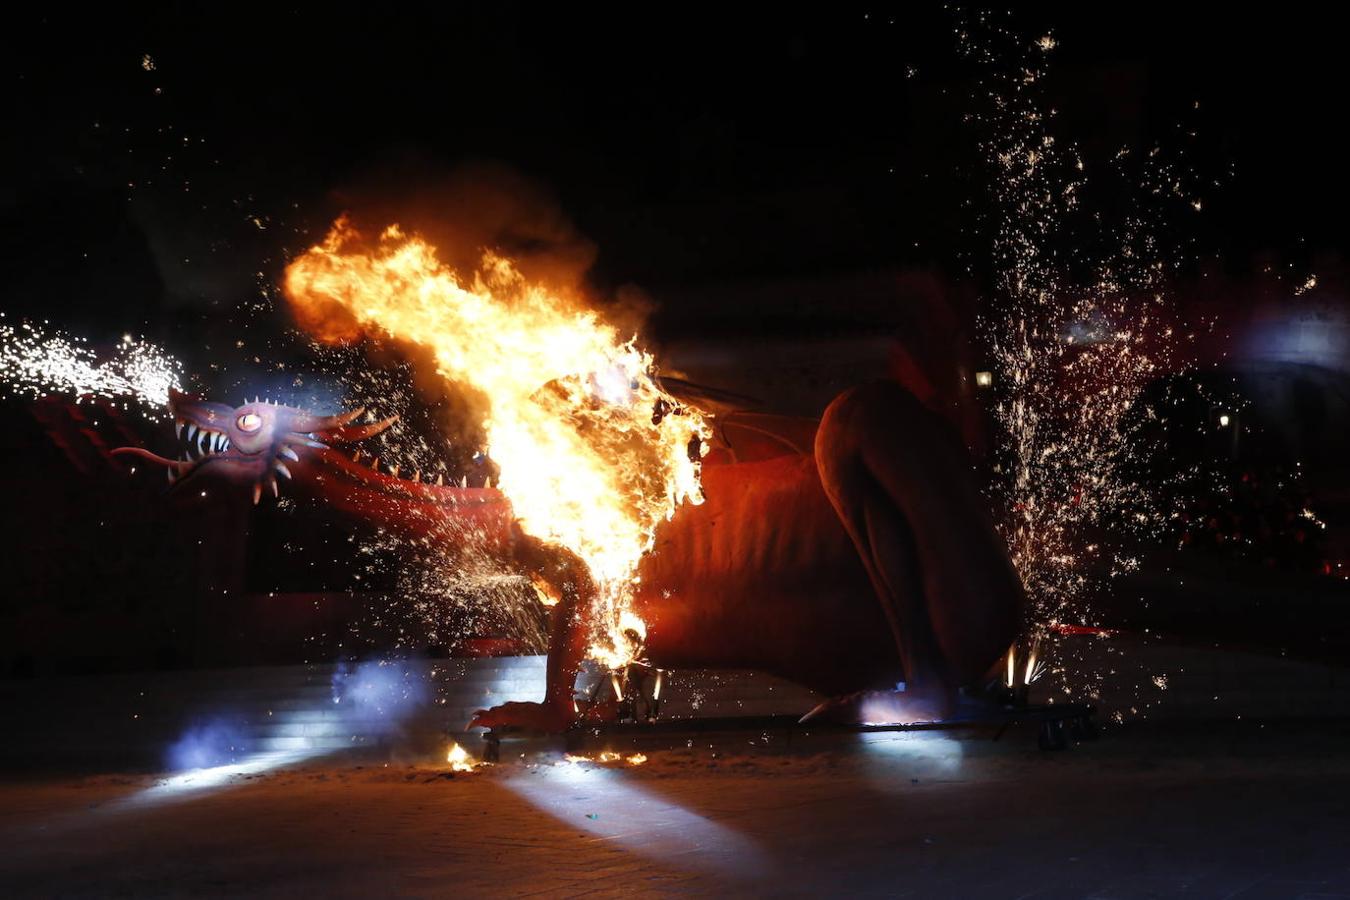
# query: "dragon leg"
569 632
900 481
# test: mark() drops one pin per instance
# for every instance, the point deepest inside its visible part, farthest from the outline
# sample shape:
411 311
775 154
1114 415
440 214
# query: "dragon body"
848 555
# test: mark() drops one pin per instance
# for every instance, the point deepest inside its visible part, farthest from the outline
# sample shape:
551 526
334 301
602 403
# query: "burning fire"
593 454
459 759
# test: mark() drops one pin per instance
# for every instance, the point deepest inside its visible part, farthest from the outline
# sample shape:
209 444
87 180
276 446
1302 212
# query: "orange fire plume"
593 454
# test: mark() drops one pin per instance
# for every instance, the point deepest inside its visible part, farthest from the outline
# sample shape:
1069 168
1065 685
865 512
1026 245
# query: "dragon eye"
249 422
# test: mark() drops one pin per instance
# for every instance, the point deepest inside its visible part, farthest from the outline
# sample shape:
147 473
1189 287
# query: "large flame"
593 454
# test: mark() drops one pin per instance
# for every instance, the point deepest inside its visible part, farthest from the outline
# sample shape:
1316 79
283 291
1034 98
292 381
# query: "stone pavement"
1216 809
1236 784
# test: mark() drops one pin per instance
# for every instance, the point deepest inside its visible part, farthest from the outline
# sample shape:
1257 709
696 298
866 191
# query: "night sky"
685 146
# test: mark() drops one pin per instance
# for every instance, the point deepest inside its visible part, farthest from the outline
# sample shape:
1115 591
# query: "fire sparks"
1032 669
1079 328
593 454
35 363
604 757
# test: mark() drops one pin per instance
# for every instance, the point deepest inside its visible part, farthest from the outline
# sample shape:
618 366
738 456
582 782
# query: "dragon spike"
393 470
275 491
257 493
440 479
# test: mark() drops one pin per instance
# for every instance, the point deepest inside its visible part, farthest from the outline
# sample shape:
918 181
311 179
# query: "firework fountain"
1079 324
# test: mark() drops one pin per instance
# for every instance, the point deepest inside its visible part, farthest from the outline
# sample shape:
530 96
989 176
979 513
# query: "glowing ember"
637 759
593 454
35 363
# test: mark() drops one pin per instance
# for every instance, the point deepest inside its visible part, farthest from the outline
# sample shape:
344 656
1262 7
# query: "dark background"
689 144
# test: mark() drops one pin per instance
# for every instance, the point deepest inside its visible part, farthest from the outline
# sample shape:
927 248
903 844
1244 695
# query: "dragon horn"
308 423
349 433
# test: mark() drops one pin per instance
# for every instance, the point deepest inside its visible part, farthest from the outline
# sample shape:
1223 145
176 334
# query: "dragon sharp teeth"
178 428
440 479
281 467
464 481
191 431
289 454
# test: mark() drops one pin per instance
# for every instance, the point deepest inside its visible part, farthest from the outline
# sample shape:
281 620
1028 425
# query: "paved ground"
1213 808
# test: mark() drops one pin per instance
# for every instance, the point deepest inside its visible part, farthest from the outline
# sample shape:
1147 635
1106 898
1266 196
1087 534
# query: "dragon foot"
517 716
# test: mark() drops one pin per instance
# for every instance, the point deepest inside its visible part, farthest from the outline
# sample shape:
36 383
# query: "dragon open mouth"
196 444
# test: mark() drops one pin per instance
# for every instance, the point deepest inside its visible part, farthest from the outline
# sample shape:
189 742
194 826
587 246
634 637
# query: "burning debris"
460 760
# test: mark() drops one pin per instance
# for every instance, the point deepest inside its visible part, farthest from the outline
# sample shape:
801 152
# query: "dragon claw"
518 716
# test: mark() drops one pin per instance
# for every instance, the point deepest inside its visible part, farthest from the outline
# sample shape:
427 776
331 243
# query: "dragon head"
254 443
258 443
